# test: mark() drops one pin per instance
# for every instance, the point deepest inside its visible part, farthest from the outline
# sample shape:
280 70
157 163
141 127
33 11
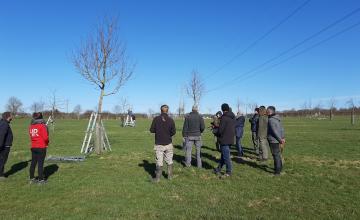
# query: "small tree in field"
352 107
102 61
195 88
37 106
332 105
13 105
77 111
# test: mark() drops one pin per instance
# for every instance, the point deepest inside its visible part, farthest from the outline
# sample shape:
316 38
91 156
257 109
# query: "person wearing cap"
6 140
254 120
39 136
164 128
275 137
239 128
226 134
193 127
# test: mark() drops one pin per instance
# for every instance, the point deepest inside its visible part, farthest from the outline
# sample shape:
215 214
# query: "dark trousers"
225 159
238 146
275 151
37 157
4 154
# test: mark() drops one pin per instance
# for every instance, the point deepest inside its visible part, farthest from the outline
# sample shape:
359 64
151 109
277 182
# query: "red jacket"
39 135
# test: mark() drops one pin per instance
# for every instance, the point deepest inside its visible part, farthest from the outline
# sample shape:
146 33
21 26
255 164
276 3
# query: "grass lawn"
322 179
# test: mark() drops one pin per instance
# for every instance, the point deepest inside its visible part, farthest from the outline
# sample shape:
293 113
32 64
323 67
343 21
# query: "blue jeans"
225 159
238 146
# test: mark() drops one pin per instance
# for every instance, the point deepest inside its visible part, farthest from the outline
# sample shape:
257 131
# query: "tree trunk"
331 115
98 132
353 116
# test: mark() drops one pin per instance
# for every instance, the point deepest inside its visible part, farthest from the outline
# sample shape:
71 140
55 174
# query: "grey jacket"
193 125
275 129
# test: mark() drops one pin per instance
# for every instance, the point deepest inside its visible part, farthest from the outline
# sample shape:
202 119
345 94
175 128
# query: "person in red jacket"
39 137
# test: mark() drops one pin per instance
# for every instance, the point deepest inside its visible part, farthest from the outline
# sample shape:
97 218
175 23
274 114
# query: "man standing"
6 139
254 127
226 134
193 127
275 137
164 128
239 128
262 134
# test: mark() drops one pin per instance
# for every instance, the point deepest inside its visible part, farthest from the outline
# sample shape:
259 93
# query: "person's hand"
283 141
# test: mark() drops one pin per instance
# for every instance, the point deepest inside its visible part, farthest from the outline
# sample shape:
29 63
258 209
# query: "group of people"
266 127
39 137
228 128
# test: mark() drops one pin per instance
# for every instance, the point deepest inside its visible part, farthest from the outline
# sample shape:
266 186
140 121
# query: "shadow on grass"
16 168
50 170
253 165
148 167
209 148
181 160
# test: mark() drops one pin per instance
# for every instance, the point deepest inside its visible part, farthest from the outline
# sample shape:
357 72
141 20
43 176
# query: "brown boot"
158 174
170 172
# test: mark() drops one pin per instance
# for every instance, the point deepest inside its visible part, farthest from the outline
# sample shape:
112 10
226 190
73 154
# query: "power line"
289 49
262 37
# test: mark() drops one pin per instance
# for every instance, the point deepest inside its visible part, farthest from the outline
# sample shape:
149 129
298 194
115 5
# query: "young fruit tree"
13 105
102 60
195 88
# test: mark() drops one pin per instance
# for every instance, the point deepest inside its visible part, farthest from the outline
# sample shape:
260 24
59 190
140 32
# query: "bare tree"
151 113
37 106
102 61
77 111
352 106
195 88
238 104
332 105
181 109
13 105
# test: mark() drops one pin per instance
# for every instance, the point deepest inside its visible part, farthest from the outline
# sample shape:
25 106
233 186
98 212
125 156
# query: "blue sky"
168 39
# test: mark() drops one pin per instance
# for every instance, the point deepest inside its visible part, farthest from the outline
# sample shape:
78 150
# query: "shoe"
32 181
41 182
225 176
216 171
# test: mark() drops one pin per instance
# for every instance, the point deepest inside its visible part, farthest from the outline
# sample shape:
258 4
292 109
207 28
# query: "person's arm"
45 134
275 128
185 127
202 124
221 127
3 132
173 128
152 128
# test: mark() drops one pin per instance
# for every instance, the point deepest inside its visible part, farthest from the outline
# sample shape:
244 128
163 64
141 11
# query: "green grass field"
322 179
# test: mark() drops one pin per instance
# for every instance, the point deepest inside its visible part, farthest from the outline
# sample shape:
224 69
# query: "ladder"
86 148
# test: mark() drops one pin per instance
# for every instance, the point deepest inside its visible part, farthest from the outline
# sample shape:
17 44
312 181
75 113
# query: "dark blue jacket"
239 126
254 122
6 135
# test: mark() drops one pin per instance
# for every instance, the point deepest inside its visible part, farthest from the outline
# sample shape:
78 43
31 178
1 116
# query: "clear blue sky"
168 39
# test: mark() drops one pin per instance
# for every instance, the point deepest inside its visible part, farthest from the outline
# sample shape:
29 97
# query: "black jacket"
6 135
193 125
254 122
226 132
164 128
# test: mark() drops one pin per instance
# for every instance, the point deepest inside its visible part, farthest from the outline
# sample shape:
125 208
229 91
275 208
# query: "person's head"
37 115
256 110
195 108
271 110
7 116
218 114
164 109
225 107
262 110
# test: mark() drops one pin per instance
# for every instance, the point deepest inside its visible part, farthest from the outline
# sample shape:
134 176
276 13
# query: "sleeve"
202 125
185 127
3 132
276 130
45 134
173 128
152 128
221 127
